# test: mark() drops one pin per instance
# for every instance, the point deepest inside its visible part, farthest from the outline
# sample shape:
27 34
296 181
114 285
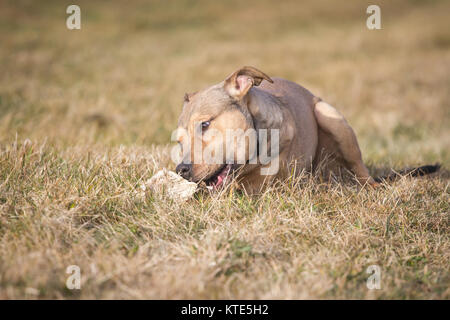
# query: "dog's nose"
184 170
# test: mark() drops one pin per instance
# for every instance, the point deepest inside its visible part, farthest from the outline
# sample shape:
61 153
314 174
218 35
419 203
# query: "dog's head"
216 130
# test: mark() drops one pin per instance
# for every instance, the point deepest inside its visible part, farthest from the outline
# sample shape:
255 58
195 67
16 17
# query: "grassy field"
86 117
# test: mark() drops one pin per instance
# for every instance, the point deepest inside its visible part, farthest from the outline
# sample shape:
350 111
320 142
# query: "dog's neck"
265 109
270 113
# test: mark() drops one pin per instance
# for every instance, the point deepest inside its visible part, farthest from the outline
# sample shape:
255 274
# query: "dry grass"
86 116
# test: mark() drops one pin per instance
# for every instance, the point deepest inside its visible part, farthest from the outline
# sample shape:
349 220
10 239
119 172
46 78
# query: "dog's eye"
205 125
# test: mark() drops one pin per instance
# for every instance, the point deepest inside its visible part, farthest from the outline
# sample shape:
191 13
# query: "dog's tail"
413 172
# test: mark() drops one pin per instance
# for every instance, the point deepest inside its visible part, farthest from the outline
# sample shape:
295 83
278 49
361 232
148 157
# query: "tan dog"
309 130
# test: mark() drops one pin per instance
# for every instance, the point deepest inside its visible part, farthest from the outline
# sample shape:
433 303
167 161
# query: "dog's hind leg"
334 125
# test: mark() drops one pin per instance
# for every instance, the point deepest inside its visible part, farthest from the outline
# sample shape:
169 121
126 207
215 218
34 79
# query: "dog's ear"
188 96
238 84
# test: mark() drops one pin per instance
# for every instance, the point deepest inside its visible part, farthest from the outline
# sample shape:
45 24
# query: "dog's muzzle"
184 170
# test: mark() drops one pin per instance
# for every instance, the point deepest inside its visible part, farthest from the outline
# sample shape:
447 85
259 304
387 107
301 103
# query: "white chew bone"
170 183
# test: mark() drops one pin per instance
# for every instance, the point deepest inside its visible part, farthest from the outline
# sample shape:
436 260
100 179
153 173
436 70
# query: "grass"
86 117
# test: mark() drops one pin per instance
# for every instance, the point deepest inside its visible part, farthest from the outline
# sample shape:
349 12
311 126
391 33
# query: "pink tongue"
219 180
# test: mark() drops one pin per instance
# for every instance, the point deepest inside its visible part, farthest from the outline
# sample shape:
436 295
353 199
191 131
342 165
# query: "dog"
308 131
